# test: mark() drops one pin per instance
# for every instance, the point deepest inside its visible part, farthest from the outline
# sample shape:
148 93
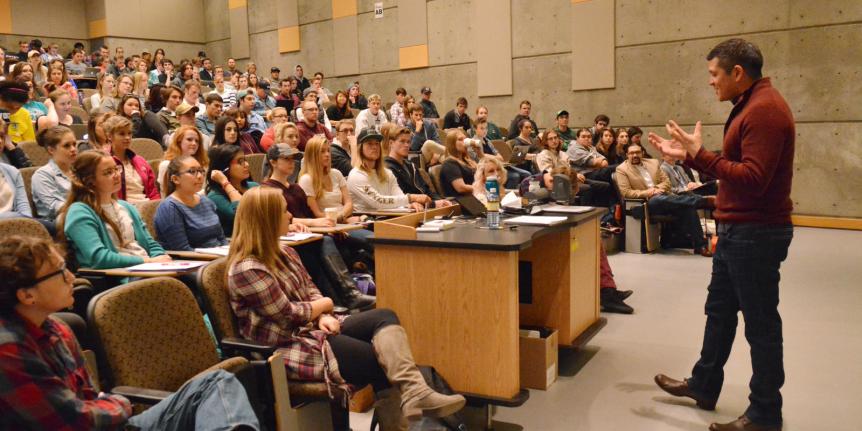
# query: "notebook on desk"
536 220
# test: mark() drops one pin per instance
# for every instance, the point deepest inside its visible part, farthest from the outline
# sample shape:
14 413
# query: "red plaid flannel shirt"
275 308
44 384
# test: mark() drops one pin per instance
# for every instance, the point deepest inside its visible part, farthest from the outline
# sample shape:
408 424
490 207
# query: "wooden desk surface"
384 213
123 272
470 235
338 228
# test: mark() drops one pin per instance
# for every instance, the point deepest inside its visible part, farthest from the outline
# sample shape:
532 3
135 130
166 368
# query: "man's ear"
737 73
25 296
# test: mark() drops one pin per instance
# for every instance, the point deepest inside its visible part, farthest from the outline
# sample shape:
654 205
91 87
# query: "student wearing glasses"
185 220
104 232
227 180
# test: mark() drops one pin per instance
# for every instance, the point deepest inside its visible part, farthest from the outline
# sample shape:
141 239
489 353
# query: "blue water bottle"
492 193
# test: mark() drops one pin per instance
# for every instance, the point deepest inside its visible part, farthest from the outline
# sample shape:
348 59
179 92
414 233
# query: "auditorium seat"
81 113
434 172
38 156
27 176
147 148
79 129
255 166
147 209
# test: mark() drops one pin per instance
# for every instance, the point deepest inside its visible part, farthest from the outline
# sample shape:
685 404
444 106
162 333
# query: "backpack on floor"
453 422
364 283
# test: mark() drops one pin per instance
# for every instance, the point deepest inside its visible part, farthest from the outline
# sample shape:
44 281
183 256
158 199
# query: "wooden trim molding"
827 222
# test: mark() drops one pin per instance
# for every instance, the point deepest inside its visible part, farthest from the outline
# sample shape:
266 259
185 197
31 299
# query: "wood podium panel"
460 309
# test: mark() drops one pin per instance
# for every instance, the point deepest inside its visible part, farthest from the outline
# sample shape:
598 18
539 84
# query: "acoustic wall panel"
593 44
238 12
412 34
287 17
494 59
345 34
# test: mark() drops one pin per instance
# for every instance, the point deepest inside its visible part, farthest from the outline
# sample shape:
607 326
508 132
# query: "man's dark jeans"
684 208
745 276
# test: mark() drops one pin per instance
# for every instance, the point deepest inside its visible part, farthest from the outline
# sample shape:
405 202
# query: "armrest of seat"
244 345
141 395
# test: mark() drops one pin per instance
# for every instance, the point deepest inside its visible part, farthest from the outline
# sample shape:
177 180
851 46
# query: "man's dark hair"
166 61
634 130
400 91
740 52
20 260
128 61
78 45
461 101
319 73
213 97
602 117
36 44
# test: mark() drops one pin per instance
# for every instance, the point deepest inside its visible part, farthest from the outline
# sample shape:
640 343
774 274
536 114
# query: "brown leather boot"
417 398
680 389
743 424
388 409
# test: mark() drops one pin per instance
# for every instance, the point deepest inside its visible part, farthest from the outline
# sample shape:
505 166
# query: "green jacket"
226 209
94 248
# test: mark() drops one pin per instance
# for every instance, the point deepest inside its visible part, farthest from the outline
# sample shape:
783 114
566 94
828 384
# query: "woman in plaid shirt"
276 302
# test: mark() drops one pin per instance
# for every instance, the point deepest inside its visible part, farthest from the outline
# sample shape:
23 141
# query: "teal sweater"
226 209
94 248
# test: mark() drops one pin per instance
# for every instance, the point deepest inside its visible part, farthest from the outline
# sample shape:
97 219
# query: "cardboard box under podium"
538 358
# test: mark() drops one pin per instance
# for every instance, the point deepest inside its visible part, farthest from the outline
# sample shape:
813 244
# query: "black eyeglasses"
194 172
45 277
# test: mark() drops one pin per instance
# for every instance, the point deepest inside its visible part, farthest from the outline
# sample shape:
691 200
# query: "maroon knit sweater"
755 167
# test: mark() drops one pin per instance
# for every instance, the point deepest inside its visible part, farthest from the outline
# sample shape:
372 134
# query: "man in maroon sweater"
753 208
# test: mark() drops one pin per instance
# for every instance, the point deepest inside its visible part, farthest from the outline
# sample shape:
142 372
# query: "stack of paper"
536 220
299 236
556 208
221 250
174 265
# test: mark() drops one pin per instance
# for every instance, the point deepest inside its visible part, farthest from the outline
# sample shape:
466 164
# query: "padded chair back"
434 171
88 104
27 176
151 334
147 148
38 156
255 166
213 288
24 227
147 209
81 113
79 130
504 131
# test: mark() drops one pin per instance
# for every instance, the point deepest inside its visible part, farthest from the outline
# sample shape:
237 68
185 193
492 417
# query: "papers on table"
175 265
221 250
536 220
511 200
299 236
557 208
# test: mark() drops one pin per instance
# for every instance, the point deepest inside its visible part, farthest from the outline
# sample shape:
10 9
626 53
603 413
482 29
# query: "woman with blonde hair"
275 302
103 231
40 71
104 89
488 166
187 141
123 87
372 186
139 86
138 182
458 170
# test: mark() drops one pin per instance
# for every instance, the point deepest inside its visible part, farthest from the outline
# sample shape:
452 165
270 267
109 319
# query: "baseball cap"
307 91
562 112
425 90
263 84
275 69
277 151
369 133
184 108
32 53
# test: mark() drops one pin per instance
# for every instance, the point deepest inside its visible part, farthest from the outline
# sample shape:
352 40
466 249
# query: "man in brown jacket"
640 178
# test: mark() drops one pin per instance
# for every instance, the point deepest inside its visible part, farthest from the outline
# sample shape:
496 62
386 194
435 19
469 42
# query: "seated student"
458 117
139 84
309 124
13 196
264 102
46 382
58 79
95 138
227 180
192 94
275 301
282 164
566 133
428 106
514 175
425 139
125 84
309 95
227 93
409 180
398 112
372 117
523 114
245 104
186 141
525 138
371 185
138 181
552 160
13 96
243 137
205 121
356 98
494 132
277 115
51 183
62 108
185 219
680 180
601 121
621 137
340 110
487 166
104 89
343 147
644 179
172 97
104 232
145 124
608 147
285 97
456 175
587 161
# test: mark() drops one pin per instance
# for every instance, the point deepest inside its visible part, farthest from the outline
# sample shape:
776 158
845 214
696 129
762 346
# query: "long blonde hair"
261 210
479 178
452 148
139 81
379 167
313 165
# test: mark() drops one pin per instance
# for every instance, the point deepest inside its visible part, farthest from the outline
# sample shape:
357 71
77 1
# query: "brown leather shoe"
743 424
680 389
703 251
